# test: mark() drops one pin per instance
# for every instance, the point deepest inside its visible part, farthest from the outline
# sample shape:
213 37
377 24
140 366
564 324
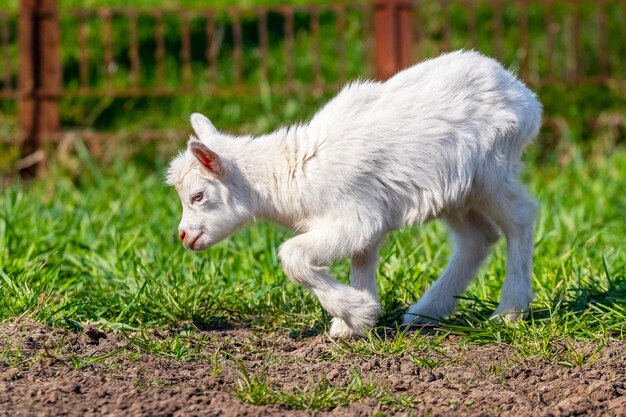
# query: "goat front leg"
305 259
363 278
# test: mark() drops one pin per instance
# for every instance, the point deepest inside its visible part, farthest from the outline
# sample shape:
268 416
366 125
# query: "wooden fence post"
39 80
394 39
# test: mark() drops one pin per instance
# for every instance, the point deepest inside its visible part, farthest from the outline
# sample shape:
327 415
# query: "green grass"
101 246
257 390
97 243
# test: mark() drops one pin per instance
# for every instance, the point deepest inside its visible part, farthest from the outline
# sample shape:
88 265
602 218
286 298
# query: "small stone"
600 391
70 388
575 406
618 406
407 368
333 374
11 374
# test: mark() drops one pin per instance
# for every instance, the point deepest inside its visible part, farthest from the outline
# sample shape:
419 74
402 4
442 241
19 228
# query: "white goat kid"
442 139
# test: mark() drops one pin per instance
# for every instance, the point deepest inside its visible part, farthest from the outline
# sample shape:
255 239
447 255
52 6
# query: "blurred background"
121 78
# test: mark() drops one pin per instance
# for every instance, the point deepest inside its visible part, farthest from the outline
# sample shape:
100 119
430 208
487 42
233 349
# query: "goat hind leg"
473 234
515 213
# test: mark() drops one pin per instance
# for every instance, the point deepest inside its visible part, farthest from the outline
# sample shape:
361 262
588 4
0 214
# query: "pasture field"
102 311
106 311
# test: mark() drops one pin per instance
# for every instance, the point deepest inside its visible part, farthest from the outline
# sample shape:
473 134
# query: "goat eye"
197 197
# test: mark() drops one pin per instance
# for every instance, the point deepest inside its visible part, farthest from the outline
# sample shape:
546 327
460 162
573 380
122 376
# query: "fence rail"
131 52
213 25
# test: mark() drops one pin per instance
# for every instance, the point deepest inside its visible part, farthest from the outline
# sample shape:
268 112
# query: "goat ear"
202 125
209 159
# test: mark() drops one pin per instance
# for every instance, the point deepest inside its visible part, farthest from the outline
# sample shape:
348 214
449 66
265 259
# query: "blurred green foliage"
14 4
575 112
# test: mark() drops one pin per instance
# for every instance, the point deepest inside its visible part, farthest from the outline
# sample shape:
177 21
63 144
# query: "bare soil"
50 376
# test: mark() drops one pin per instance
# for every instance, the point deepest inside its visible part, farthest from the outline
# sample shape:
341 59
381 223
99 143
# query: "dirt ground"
473 380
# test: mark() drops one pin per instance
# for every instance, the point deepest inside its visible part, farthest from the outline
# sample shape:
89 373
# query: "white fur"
441 139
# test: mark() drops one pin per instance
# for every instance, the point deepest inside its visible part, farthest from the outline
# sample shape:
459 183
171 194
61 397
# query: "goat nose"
182 234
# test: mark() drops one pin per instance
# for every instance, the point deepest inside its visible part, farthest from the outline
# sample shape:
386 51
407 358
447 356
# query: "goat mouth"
193 243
